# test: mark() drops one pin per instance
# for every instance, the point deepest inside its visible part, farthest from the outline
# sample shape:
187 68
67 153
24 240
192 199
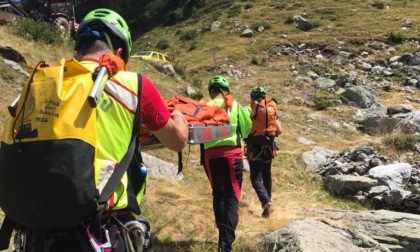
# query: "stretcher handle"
13 106
98 87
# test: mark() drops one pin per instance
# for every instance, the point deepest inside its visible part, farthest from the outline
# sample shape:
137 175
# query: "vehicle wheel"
62 26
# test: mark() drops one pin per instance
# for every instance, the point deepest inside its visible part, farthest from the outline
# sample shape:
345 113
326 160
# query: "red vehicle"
57 12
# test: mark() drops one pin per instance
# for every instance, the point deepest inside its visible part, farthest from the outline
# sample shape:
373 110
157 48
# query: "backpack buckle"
96 245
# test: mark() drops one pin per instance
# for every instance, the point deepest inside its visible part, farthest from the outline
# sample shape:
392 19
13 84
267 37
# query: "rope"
134 235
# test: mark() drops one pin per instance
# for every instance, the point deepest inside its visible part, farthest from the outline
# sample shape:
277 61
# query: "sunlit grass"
181 212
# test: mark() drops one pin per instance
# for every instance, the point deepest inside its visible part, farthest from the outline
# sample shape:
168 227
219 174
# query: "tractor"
59 13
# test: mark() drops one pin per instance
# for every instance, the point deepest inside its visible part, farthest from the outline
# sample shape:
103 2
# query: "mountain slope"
181 212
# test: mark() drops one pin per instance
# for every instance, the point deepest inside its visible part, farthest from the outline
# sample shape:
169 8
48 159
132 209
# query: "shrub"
234 10
378 4
37 31
248 6
163 44
402 142
289 20
188 35
323 100
192 47
395 37
398 73
258 61
263 24
315 24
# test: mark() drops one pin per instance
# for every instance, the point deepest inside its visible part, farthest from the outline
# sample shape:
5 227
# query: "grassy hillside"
181 212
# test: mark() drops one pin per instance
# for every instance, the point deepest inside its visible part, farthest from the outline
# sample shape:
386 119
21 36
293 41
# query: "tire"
62 26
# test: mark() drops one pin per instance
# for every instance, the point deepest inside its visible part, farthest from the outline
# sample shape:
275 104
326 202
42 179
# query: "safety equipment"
51 134
111 23
264 125
98 246
219 81
137 235
258 93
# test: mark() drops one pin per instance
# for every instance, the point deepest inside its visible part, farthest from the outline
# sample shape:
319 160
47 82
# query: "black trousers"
224 168
261 179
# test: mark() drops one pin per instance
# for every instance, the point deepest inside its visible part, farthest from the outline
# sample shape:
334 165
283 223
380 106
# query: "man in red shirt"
104 32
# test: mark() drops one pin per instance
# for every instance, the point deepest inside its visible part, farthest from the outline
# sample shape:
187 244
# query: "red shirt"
153 113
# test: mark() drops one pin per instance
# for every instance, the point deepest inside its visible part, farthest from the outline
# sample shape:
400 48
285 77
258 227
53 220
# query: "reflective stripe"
122 95
107 168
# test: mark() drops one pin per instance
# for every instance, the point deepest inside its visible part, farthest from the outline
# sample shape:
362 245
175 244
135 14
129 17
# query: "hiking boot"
267 210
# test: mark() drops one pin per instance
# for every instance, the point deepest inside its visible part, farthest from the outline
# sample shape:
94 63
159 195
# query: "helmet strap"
109 42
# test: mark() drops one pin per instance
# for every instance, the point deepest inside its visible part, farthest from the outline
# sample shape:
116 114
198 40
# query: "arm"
174 134
244 122
279 129
170 129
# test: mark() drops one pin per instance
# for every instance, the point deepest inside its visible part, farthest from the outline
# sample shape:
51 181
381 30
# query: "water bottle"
143 170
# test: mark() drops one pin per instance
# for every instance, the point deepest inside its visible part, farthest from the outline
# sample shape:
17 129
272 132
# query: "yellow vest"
115 119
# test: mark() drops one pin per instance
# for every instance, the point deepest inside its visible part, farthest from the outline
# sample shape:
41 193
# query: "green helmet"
258 93
110 22
219 81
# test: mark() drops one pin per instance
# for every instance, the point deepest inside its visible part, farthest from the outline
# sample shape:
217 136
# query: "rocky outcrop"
363 175
347 231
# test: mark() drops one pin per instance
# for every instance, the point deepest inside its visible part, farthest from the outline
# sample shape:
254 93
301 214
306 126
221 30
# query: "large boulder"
347 231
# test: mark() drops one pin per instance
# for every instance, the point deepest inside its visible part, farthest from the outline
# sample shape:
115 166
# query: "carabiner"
98 246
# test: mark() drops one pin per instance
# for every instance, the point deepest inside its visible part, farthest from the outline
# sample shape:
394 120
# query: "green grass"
37 31
402 142
181 212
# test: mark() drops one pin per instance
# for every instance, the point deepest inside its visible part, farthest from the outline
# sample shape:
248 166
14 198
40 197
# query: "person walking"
105 32
261 153
223 164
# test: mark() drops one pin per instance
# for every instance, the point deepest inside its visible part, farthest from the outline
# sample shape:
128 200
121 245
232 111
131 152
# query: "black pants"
261 179
76 239
225 176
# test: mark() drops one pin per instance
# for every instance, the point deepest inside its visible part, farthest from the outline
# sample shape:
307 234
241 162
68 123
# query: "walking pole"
98 87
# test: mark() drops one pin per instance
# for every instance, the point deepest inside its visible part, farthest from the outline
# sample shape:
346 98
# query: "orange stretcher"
205 123
197 134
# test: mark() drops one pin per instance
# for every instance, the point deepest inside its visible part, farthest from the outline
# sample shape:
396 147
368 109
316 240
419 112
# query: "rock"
316 157
341 185
395 176
160 169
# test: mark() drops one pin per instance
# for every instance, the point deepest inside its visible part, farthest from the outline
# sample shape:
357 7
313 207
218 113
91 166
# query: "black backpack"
47 152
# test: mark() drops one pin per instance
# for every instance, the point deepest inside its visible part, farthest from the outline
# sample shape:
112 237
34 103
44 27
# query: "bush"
398 73
289 20
378 4
323 100
188 35
37 31
163 44
263 24
258 61
395 37
402 142
192 47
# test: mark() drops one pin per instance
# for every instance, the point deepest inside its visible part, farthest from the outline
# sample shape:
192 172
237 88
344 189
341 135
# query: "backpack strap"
6 232
180 165
266 117
118 173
